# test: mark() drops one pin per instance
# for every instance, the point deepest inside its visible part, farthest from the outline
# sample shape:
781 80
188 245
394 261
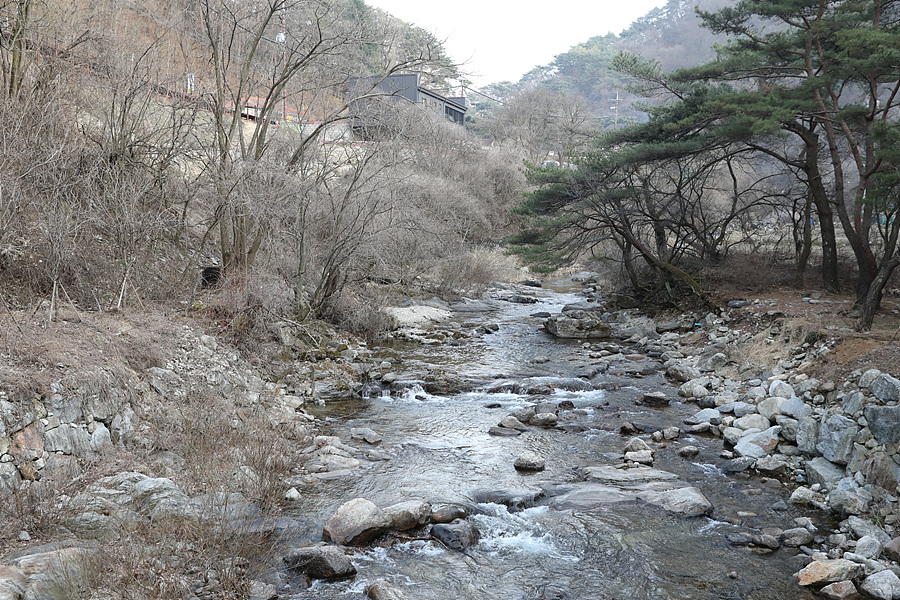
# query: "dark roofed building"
406 86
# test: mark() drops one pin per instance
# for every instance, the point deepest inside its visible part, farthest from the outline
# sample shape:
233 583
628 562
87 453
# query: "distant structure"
406 87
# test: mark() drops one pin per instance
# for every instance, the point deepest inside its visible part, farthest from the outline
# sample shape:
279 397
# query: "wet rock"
512 423
382 590
408 515
886 388
504 431
578 324
529 461
772 464
636 444
823 572
884 422
644 457
836 437
448 513
553 592
707 415
736 465
685 502
320 562
355 523
884 585
765 540
688 451
796 537
654 399
365 434
456 535
543 420
825 473
515 500
739 538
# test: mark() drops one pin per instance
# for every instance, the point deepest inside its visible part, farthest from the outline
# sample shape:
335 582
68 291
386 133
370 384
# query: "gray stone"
160 499
848 498
881 470
795 407
853 403
682 372
759 444
9 478
365 434
884 585
529 461
862 527
448 513
320 562
736 465
824 472
260 590
808 435
836 437
167 383
69 439
713 363
771 407
382 590
789 427
707 415
636 444
408 515
732 435
514 423
688 451
841 590
456 535
752 421
13 582
773 464
886 388
355 523
868 377
803 496
101 439
892 549
644 457
578 324
685 501
544 420
781 389
869 547
884 422
796 537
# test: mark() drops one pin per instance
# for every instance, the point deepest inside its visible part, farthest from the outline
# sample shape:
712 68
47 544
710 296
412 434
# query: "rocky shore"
835 444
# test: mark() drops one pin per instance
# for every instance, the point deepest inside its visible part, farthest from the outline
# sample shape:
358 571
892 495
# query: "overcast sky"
501 40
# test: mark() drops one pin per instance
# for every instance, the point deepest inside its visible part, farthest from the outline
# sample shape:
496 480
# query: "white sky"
501 40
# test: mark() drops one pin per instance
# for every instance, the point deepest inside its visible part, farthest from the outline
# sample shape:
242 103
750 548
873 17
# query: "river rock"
753 421
759 444
544 420
842 590
732 435
868 377
382 590
688 451
771 407
448 513
320 562
707 415
853 403
886 388
514 500
869 547
456 535
796 537
822 572
654 399
626 477
807 435
862 527
513 423
822 471
795 407
736 465
781 389
848 498
804 496
713 363
408 515
504 431
355 523
884 422
644 457
772 464
682 372
836 437
685 502
884 585
578 324
636 444
789 427
529 461
365 434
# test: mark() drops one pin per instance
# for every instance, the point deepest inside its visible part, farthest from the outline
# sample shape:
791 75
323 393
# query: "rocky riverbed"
531 443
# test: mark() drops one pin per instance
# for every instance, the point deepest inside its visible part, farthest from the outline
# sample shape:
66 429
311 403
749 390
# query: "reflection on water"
440 452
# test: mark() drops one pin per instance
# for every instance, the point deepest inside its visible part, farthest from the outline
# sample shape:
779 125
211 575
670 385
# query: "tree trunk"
872 300
804 243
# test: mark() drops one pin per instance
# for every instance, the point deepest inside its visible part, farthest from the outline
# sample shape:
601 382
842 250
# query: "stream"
440 452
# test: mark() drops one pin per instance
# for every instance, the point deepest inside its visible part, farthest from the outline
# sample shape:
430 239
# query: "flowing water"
441 452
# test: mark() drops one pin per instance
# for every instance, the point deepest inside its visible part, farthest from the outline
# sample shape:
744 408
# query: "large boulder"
822 572
807 435
886 388
759 444
578 324
355 523
320 562
824 472
884 585
836 437
884 421
382 590
408 515
685 502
